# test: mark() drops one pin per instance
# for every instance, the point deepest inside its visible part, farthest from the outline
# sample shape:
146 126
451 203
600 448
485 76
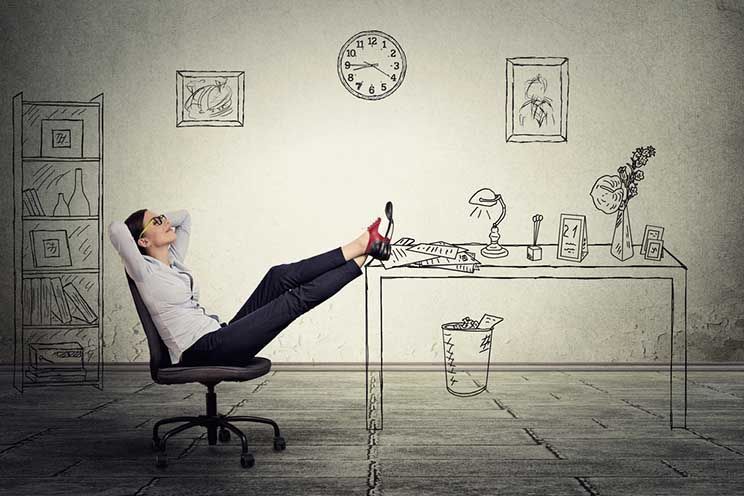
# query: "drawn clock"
371 65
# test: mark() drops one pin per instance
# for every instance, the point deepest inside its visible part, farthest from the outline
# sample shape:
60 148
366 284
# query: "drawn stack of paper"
439 254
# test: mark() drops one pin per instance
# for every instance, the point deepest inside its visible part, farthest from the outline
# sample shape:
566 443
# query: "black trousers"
286 292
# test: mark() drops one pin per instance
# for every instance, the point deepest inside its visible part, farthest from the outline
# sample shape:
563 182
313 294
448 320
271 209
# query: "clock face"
371 65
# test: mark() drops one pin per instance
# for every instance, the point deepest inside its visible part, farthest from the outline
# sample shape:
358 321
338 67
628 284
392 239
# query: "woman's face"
157 231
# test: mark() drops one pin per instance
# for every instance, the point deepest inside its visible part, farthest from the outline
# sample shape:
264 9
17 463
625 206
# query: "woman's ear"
143 242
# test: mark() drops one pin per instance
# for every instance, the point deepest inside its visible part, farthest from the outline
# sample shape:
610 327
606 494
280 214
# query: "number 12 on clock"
572 238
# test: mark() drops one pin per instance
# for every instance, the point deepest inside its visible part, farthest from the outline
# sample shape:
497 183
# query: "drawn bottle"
79 204
61 209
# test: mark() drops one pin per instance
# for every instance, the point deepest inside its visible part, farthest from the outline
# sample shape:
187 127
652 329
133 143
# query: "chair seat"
212 374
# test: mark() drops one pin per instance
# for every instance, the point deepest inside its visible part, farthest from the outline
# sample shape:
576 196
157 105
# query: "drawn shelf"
61 159
59 271
58 234
62 327
69 217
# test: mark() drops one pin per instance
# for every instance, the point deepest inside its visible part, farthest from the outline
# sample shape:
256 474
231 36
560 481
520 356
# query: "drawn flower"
608 193
611 193
640 156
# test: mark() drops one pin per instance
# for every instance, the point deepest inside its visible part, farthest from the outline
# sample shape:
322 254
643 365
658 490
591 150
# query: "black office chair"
163 372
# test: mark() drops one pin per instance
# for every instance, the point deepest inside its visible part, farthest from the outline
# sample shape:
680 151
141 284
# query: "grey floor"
552 433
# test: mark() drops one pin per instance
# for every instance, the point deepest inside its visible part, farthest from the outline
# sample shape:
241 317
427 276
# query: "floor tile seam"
708 386
363 477
714 442
374 472
153 481
234 476
73 464
670 477
586 485
98 408
26 440
678 470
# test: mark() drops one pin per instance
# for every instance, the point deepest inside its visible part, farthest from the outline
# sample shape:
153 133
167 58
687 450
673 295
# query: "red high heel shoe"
378 246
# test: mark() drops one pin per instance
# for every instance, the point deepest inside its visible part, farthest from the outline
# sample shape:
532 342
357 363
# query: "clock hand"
375 66
364 66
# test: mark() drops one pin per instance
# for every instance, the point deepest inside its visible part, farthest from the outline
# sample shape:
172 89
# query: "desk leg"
678 363
373 356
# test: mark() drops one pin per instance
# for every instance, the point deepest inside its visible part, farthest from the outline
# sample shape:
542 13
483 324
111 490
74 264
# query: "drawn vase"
61 209
78 203
622 241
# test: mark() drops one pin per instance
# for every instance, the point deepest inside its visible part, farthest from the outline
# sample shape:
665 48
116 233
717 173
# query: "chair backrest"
159 357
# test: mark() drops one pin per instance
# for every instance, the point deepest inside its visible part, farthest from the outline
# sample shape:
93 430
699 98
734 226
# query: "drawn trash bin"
468 343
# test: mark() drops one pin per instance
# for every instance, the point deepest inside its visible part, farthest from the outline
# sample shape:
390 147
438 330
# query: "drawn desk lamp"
486 197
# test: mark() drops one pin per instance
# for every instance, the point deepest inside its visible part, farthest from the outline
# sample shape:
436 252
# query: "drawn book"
77 302
60 307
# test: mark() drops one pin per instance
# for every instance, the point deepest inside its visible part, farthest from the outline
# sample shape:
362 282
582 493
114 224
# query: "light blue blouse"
170 292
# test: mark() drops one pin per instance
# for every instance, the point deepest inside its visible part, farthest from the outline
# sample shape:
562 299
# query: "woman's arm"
181 220
121 238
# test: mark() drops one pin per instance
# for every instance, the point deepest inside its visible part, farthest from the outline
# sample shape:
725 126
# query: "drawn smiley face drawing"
371 65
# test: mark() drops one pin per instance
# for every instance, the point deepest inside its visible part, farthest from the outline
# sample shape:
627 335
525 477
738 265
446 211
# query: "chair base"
213 421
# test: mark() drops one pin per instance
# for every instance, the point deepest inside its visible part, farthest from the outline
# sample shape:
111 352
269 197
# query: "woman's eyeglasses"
154 221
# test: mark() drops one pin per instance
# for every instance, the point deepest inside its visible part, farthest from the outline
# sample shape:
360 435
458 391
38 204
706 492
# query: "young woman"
153 248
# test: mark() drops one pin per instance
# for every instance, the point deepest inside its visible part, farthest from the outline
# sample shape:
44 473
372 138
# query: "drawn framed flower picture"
210 98
537 99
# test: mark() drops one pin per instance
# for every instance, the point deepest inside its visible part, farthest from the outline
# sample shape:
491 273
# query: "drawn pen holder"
534 253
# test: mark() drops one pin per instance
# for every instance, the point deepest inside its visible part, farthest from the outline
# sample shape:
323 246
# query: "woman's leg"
281 278
244 337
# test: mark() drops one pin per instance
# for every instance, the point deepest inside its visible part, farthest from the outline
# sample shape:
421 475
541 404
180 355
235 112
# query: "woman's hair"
135 223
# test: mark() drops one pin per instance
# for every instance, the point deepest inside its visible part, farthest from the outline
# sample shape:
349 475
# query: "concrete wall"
313 165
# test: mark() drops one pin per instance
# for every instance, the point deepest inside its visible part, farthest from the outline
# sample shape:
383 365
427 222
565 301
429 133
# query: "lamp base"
494 250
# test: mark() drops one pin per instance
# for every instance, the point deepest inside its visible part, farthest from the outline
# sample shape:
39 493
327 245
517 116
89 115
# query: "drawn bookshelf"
58 242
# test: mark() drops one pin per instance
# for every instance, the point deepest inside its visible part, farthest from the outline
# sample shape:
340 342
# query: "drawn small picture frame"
573 244
50 248
537 99
210 98
649 233
61 138
655 249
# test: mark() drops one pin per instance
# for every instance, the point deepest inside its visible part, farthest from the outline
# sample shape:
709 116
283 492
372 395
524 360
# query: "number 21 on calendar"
572 238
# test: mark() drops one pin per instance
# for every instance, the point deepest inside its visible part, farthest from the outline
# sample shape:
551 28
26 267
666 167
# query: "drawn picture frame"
655 249
649 233
50 248
537 99
61 138
573 243
210 98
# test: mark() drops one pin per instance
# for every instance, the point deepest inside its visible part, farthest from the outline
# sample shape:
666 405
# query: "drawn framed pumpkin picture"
210 98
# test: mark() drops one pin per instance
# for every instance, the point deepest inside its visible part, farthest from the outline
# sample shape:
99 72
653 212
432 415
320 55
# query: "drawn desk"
598 264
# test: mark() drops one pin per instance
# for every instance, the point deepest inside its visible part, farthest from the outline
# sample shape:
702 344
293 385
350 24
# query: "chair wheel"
247 460
161 460
224 435
279 444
